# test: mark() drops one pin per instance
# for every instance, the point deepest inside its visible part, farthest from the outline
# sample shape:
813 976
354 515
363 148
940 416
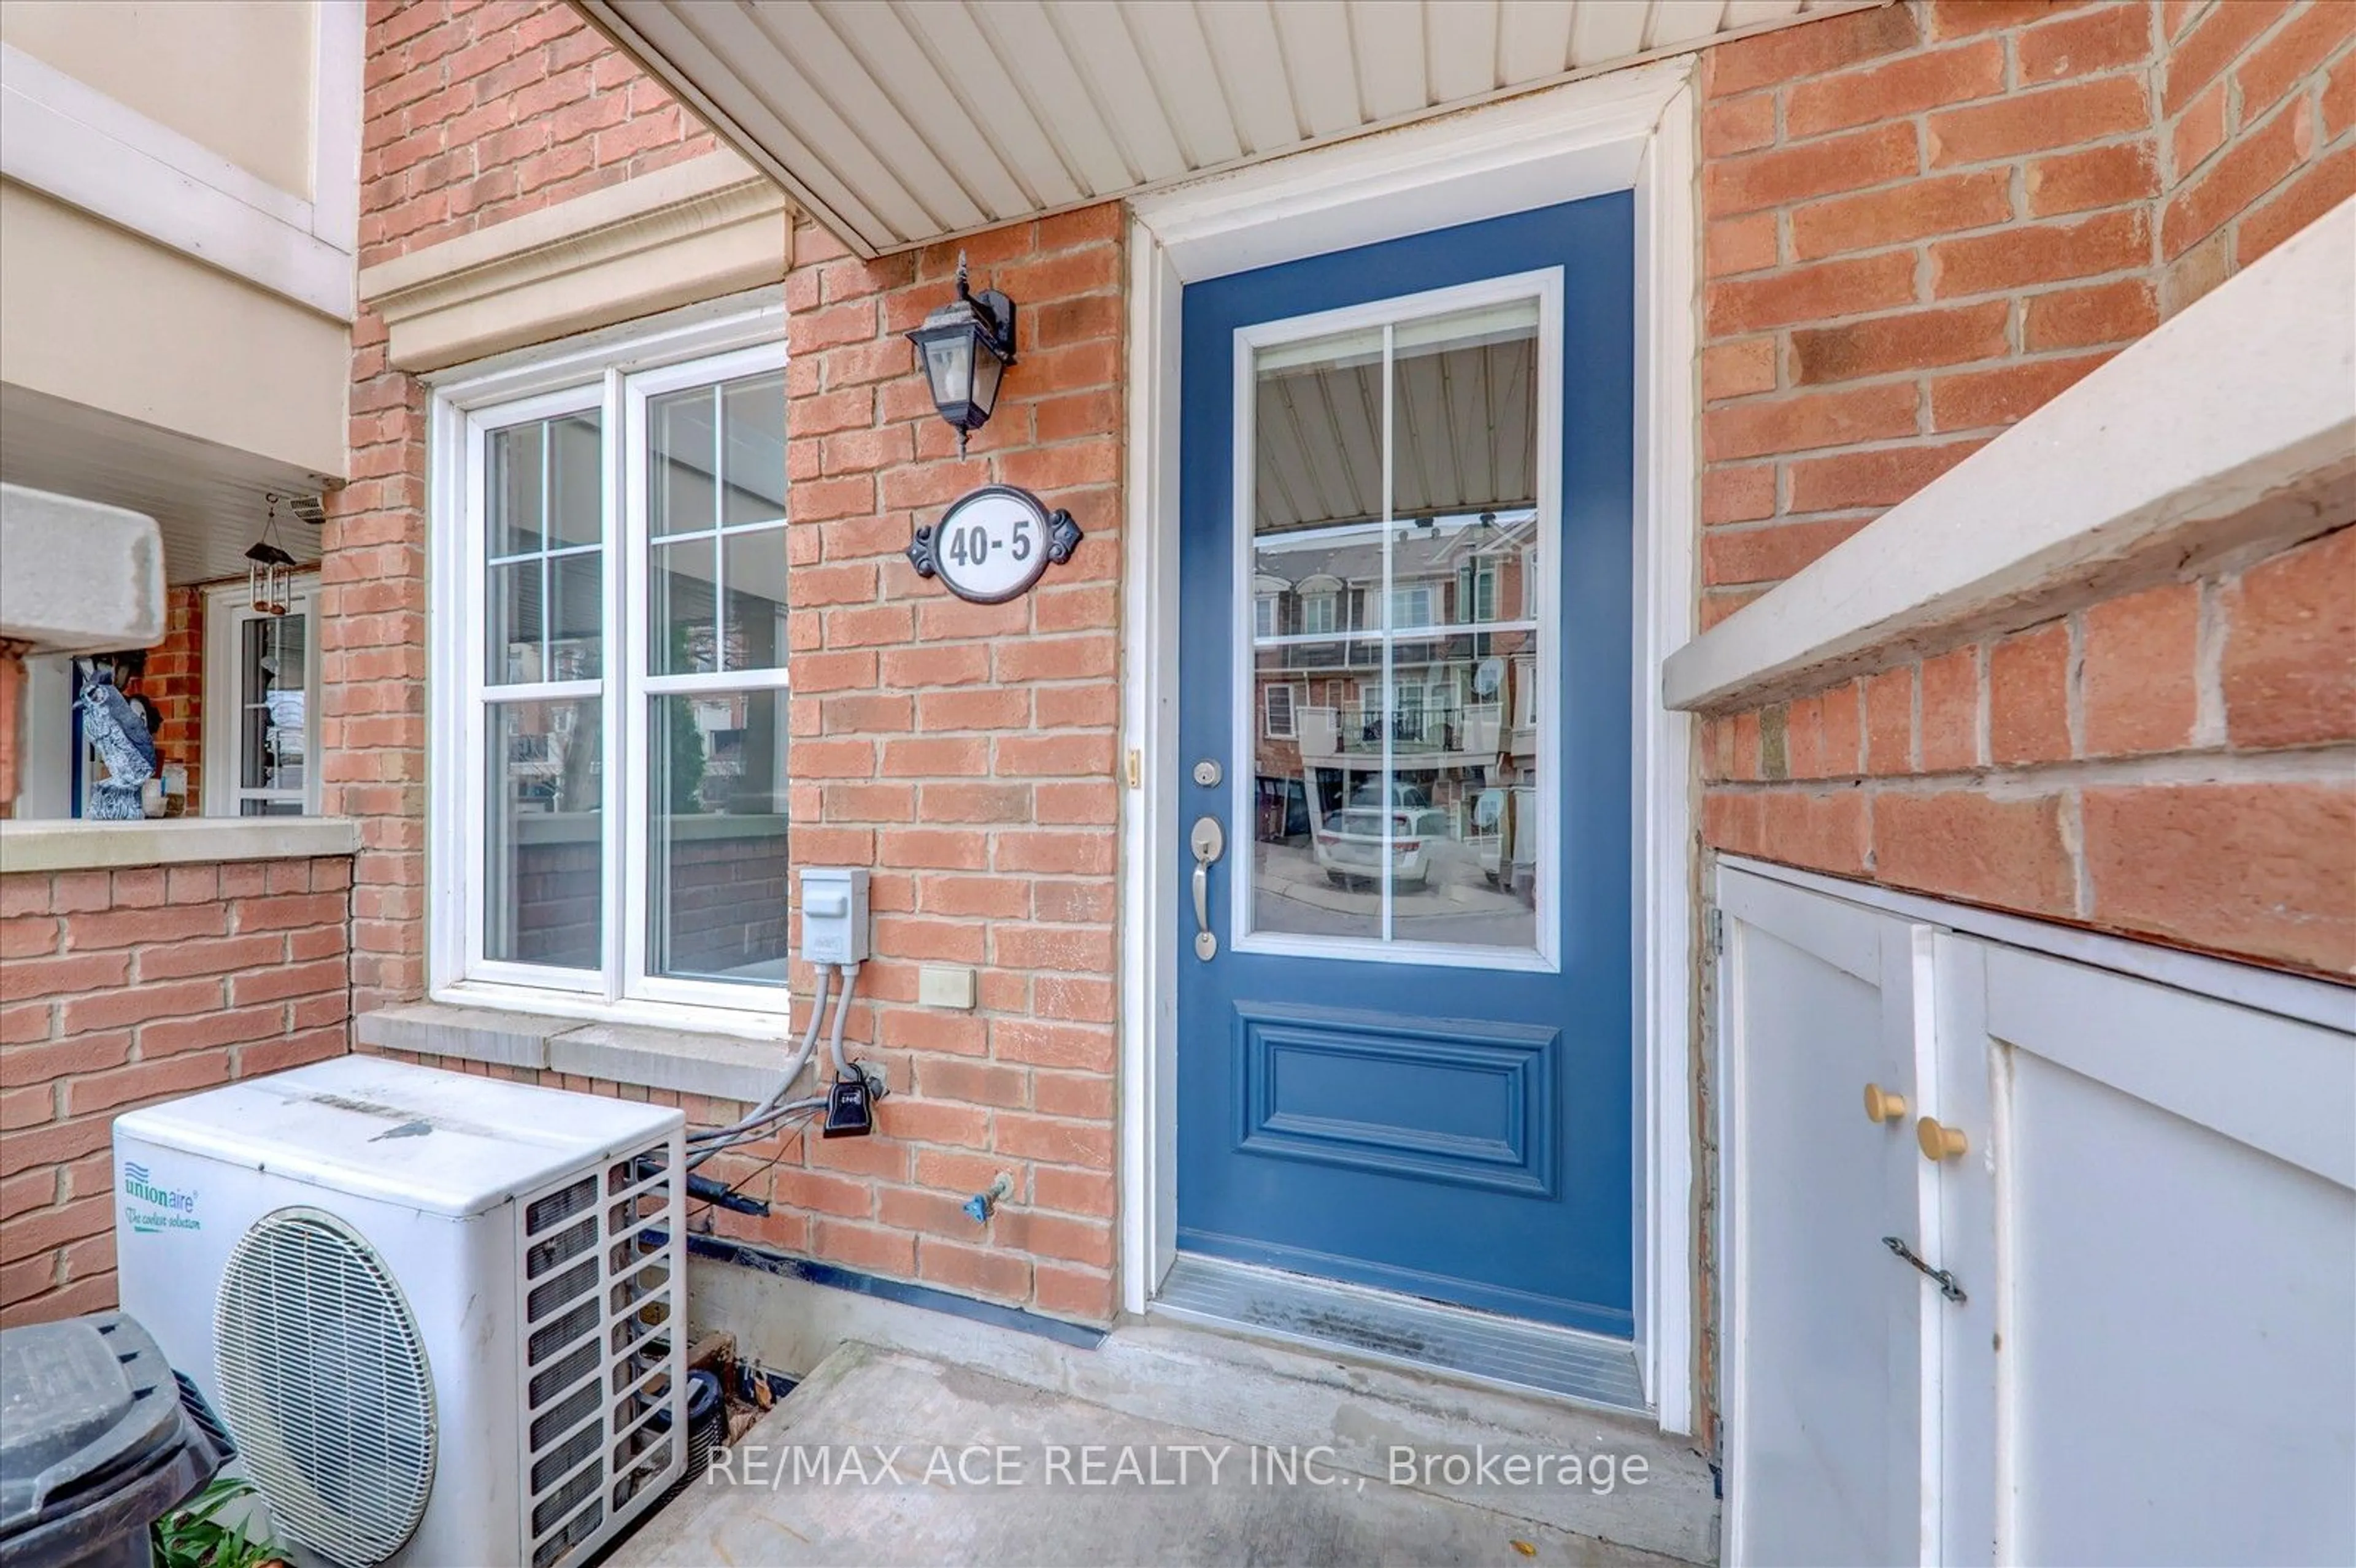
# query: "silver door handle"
1208 841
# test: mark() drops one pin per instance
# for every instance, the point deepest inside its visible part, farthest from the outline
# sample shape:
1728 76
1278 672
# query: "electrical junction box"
834 915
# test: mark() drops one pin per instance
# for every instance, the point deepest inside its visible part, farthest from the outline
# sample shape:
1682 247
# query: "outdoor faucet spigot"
980 1205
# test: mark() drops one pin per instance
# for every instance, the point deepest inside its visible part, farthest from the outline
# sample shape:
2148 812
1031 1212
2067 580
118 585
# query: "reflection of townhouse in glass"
1397 531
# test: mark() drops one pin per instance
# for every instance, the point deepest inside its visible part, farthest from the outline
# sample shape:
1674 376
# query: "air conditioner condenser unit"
442 1315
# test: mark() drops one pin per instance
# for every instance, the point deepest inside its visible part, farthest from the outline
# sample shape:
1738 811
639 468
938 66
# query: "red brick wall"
965 752
471 114
2178 763
1923 221
2256 98
174 680
475 113
118 988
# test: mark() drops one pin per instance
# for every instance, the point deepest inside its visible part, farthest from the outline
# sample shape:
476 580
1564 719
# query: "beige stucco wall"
98 316
234 76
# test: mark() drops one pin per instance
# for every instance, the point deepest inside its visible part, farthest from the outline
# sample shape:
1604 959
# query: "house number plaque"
993 544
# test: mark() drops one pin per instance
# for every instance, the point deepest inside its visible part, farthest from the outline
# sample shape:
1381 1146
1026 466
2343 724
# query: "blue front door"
1407 556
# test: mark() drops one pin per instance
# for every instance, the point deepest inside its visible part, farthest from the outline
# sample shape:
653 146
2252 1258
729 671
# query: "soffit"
899 123
210 501
1461 433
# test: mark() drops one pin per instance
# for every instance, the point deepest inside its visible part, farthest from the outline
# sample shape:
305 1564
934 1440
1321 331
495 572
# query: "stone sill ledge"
2229 433
77 846
720 1066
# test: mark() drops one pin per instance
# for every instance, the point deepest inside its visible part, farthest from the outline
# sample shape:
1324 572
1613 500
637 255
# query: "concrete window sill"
76 846
721 1066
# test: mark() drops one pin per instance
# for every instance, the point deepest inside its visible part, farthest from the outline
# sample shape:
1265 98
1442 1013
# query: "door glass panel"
1317 857
1464 478
1396 534
543 846
273 663
717 839
1319 862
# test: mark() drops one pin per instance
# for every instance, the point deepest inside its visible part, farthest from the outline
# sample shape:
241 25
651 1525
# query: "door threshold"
1401 1331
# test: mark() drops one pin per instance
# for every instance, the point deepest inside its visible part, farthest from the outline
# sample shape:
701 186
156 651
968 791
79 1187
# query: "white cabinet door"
1824 1324
2156 1230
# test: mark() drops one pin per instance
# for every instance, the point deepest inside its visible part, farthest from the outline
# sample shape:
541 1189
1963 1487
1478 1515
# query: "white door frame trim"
217 682
1632 130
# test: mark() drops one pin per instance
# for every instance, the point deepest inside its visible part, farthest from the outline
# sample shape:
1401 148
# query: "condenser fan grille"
326 1387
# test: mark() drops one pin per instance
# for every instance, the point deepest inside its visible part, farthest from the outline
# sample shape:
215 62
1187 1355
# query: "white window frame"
1480 583
1330 604
228 606
1291 710
1264 614
638 686
1421 595
614 370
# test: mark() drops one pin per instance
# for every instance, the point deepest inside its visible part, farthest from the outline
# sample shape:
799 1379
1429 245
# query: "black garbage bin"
95 1443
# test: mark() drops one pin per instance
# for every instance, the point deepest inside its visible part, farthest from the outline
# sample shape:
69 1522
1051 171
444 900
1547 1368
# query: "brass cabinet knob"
1939 1141
1882 1104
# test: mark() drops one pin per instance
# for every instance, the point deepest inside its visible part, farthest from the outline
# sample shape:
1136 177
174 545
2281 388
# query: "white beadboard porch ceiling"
1461 434
210 501
899 123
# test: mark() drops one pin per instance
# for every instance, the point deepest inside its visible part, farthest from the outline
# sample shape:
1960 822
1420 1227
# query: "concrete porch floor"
1007 1448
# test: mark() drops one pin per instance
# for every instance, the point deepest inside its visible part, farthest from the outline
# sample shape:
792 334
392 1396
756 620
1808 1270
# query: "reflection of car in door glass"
1423 819
1350 848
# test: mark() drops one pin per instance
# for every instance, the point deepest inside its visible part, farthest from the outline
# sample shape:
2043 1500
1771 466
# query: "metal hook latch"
1941 1278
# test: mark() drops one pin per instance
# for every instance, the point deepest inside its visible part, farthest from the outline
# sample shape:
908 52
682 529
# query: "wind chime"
267 570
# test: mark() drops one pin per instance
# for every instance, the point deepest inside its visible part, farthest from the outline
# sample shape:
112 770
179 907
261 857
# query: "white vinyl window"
1476 591
617 715
1411 606
1317 616
1279 701
261 705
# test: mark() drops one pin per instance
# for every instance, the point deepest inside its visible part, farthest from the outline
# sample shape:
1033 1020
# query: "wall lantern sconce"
966 346
267 565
